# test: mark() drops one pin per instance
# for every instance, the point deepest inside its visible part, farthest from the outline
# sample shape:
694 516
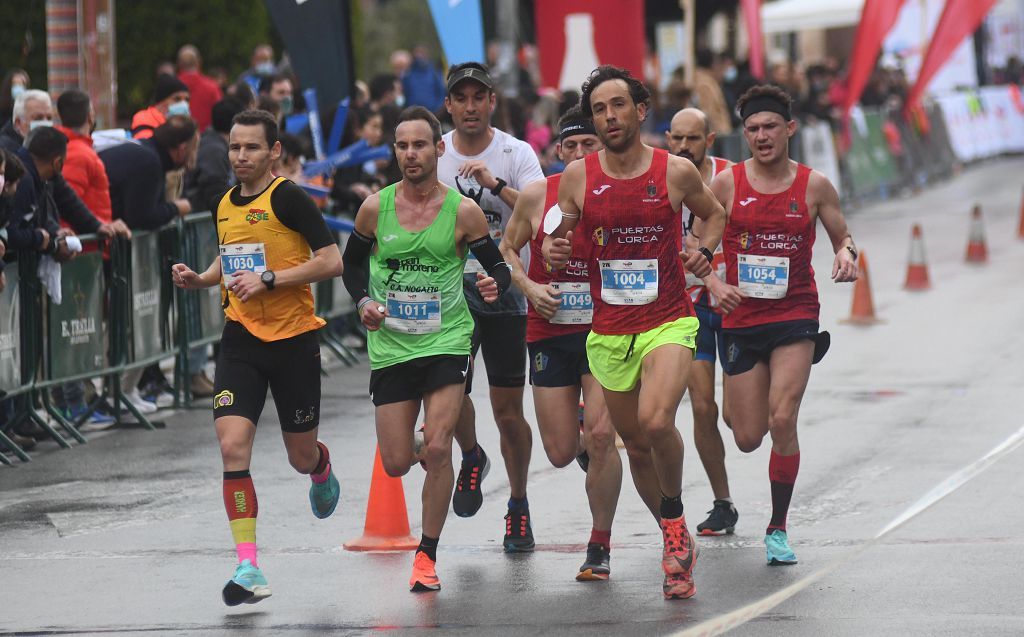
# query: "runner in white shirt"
491 167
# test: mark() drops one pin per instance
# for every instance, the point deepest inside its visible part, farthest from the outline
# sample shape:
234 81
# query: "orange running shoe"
424 576
678 558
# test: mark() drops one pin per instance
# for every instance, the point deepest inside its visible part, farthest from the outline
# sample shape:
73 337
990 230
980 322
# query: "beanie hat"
167 85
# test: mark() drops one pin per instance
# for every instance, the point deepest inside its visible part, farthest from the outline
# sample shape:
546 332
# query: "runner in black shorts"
415 236
267 227
558 322
491 167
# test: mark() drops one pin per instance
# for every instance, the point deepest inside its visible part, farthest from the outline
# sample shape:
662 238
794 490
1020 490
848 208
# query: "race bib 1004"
242 257
763 277
626 282
577 307
413 312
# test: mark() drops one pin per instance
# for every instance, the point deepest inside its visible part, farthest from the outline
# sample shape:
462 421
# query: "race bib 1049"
577 307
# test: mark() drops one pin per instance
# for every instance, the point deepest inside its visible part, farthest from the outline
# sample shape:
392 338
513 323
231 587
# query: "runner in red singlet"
558 321
771 338
690 136
627 202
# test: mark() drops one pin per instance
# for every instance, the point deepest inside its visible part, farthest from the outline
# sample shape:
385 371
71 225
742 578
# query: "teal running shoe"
777 545
248 586
323 497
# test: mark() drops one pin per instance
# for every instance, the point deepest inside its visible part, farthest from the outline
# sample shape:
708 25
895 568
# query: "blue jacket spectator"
422 83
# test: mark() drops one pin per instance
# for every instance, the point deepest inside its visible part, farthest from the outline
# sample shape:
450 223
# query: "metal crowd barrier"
120 315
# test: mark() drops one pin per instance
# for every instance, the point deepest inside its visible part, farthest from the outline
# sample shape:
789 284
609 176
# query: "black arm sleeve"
71 209
487 253
297 210
356 274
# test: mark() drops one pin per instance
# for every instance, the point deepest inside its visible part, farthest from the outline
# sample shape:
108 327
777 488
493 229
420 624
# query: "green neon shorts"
615 359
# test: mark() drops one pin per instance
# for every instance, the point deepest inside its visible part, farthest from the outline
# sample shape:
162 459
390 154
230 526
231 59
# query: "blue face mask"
16 90
179 108
730 74
39 122
264 68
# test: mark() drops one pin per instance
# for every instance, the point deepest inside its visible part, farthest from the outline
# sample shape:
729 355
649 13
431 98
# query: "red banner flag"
575 36
876 20
752 20
959 19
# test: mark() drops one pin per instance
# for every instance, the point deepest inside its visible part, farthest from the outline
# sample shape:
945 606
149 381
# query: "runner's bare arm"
557 247
729 296
823 198
527 217
472 232
685 186
356 259
185 278
478 170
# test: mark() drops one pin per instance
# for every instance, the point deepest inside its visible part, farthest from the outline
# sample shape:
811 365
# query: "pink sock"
323 467
246 551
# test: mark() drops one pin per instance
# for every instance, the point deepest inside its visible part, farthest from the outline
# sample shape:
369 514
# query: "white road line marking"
728 621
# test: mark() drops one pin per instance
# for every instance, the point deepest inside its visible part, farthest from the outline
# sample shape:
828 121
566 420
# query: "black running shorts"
559 361
413 379
742 348
502 337
290 367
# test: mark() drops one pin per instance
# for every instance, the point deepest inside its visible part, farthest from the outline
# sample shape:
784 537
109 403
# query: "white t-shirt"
507 158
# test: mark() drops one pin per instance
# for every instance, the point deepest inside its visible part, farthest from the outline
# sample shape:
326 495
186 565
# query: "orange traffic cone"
977 251
387 522
1020 228
863 310
917 267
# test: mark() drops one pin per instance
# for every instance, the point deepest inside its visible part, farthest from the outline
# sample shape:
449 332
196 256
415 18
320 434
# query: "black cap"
470 73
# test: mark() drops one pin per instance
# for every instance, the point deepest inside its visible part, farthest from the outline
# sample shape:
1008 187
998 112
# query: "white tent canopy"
787 16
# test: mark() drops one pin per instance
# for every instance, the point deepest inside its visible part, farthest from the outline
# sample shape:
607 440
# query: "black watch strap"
498 187
707 254
268 279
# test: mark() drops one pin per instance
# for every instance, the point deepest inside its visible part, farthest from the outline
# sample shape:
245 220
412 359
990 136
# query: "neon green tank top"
418 276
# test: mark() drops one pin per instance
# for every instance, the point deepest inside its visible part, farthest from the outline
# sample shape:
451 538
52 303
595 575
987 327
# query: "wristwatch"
268 279
707 254
498 186
853 251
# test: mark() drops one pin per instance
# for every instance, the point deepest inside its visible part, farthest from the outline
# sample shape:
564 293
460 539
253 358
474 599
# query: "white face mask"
3 180
400 101
264 68
178 108
39 122
16 90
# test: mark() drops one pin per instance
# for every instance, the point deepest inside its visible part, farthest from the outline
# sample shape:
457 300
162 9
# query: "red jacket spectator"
86 175
204 93
170 97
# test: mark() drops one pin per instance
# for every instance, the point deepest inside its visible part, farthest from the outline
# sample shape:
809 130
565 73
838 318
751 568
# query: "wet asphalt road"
127 534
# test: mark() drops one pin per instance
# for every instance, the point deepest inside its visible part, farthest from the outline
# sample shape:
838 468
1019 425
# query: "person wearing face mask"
280 90
261 66
15 82
170 97
203 90
32 108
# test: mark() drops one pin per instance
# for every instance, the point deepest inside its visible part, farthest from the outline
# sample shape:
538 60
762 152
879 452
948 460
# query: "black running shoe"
721 521
468 497
597 567
518 532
